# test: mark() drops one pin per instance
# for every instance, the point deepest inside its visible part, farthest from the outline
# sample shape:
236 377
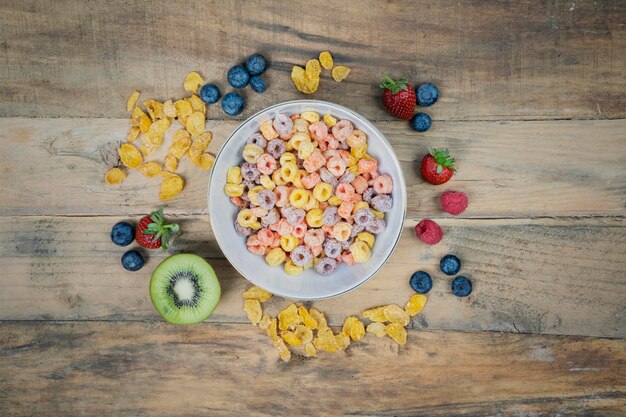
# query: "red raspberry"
428 232
454 202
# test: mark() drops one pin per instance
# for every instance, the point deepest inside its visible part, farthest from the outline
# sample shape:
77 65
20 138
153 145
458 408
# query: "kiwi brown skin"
184 289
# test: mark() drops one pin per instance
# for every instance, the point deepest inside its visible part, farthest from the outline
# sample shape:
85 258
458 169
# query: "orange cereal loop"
314 162
347 258
267 130
265 237
344 191
316 250
367 165
359 184
311 180
345 209
336 166
299 230
383 184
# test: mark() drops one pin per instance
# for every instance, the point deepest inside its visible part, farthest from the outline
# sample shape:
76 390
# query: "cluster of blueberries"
421 282
426 94
238 76
123 234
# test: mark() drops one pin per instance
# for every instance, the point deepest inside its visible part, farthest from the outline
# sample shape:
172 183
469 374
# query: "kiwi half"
184 289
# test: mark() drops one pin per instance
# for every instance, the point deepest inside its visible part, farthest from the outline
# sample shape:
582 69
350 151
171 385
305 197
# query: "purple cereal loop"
382 203
330 216
258 140
250 172
270 218
325 175
301 256
346 177
332 248
345 245
326 266
363 216
242 231
267 199
368 194
276 148
376 226
356 229
282 124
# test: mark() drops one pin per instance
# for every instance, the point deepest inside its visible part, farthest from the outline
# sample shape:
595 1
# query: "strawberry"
437 166
153 232
398 97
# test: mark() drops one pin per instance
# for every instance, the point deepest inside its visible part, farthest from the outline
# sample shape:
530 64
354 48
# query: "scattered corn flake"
133 134
114 176
141 120
395 314
170 163
340 73
375 314
192 81
326 340
307 319
180 147
313 69
326 59
155 109
150 169
183 110
180 135
288 317
253 311
265 322
132 100
205 161
129 155
256 293
199 145
397 332
171 186
283 350
319 318
298 76
290 338
311 84
342 340
415 304
169 110
377 329
197 104
272 329
304 333
354 328
310 351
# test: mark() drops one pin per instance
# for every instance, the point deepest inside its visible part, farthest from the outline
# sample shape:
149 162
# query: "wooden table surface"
533 105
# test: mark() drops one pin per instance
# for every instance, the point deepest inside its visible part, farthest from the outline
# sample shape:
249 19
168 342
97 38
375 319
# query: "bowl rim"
359 117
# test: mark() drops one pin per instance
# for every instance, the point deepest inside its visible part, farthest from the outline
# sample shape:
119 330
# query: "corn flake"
114 176
129 155
272 330
304 333
283 350
319 318
326 59
395 314
150 169
415 304
310 351
183 110
171 186
169 110
397 332
141 120
170 163
253 311
205 161
354 328
256 293
180 135
377 329
288 317
298 76
133 133
180 147
199 145
375 314
197 104
307 319
265 322
290 338
193 81
342 340
326 340
340 73
313 69
155 109
132 100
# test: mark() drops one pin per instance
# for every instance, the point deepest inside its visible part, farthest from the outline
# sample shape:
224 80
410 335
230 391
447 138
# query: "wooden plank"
529 276
496 60
516 169
148 369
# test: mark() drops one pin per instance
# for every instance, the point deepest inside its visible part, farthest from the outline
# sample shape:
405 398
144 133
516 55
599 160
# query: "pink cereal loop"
343 129
345 155
282 195
259 211
274 226
359 184
332 153
336 166
311 180
367 165
276 241
314 162
266 164
299 230
284 227
265 237
345 209
333 143
328 230
319 130
375 174
344 191
323 144
314 237
383 184
347 258
238 202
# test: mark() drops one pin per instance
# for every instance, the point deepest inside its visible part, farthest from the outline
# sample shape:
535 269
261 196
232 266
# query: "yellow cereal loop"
297 181
114 176
287 157
298 198
353 170
132 100
335 201
329 120
252 152
192 81
275 257
267 130
310 116
326 59
277 178
360 205
292 269
314 217
312 203
266 182
306 149
358 151
253 194
377 214
340 73
352 160
298 138
301 125
341 231
289 242
289 171
323 191
233 190
360 251
366 237
256 226
245 218
233 175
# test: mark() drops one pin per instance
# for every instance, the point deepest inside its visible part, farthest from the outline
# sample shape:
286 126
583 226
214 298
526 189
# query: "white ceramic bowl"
309 285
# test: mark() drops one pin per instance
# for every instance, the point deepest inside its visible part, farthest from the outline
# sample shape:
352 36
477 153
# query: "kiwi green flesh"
184 289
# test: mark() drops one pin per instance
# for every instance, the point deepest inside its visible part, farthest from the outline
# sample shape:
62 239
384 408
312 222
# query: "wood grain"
493 61
514 169
553 277
131 369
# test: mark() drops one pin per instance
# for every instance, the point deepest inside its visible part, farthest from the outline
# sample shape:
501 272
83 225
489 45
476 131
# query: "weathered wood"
494 60
551 277
130 369
516 169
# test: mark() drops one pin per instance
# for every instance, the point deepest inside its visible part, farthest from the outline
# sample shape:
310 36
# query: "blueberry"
450 265
421 122
256 64
257 84
122 234
421 282
461 286
210 93
132 260
427 94
238 76
232 104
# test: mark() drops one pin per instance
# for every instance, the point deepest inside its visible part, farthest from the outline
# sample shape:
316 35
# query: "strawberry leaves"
393 86
160 229
442 158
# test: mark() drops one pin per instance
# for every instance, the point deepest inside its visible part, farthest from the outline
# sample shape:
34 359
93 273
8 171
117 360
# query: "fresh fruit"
210 93
450 265
428 232
421 282
256 64
461 286
232 104
437 166
238 76
184 289
427 94
257 84
454 202
153 232
398 97
122 234
421 122
132 260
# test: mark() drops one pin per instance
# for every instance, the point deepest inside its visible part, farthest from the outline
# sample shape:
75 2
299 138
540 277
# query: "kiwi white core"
184 289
